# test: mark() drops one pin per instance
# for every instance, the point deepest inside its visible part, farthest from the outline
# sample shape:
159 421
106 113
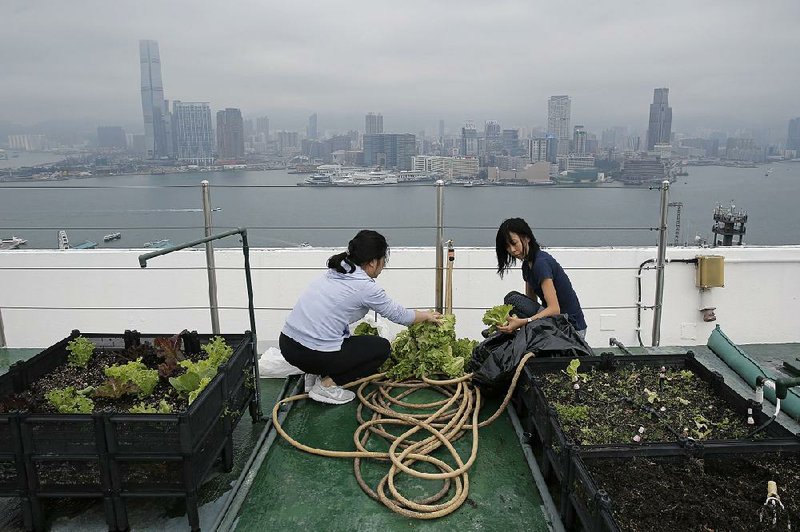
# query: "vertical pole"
448 286
662 251
2 331
255 410
210 266
439 245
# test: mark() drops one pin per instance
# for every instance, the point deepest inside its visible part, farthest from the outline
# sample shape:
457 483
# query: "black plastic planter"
117 456
558 456
710 502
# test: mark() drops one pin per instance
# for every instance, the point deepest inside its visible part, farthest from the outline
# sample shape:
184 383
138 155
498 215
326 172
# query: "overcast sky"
728 64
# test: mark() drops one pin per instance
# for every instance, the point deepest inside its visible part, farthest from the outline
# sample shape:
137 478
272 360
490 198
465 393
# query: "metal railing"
438 267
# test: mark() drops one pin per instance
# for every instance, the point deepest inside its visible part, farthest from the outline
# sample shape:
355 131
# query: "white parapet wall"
44 294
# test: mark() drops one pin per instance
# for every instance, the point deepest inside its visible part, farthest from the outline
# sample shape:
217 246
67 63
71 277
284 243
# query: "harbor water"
145 208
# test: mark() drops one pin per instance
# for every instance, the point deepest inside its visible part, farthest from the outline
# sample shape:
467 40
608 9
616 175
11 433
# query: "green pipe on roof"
748 369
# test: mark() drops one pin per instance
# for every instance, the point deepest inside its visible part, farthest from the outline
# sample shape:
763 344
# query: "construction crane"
679 206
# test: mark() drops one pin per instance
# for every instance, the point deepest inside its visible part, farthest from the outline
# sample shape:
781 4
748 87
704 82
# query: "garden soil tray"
116 455
719 486
664 404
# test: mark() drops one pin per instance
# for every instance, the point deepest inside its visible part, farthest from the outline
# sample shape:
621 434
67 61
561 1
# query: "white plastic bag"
272 365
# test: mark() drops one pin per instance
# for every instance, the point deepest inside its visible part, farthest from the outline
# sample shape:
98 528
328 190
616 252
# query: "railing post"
439 245
210 265
2 331
662 250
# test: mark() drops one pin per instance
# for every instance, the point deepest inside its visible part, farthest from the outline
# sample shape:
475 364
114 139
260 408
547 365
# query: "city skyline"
287 67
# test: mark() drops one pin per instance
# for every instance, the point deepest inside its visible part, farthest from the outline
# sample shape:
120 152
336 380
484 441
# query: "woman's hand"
427 315
433 317
512 324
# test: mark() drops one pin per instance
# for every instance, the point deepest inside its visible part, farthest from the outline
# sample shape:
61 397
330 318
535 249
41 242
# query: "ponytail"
335 263
366 246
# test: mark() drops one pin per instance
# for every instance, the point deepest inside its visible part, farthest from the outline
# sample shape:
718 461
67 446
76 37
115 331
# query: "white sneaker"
333 395
311 380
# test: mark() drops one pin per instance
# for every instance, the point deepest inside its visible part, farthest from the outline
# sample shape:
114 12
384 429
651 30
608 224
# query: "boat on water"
12 243
163 243
112 236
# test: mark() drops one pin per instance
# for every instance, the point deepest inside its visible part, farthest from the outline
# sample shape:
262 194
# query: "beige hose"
454 415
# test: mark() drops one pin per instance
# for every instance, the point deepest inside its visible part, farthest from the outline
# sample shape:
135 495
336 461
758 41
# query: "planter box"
716 486
556 452
116 456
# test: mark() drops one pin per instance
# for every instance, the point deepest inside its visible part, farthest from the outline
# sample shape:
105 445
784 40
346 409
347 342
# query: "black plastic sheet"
495 359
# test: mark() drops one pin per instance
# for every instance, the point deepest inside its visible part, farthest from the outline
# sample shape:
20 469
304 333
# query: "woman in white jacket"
316 336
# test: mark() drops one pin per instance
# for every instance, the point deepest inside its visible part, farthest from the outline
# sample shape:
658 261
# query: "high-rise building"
793 138
579 141
558 121
390 150
111 137
469 140
262 126
193 132
511 144
230 134
311 129
441 131
659 130
373 124
493 135
157 134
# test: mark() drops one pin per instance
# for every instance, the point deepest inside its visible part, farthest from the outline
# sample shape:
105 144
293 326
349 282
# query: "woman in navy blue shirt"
548 290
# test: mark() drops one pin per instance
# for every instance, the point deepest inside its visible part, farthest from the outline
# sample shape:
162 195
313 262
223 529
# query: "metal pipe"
2 331
256 406
439 245
448 287
662 250
210 263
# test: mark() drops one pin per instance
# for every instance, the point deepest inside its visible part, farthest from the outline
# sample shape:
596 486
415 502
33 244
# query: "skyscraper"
659 131
793 138
469 140
193 132
158 138
230 134
390 150
311 130
579 140
373 124
558 121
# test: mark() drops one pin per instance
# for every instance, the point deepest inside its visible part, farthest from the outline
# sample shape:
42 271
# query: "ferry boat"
113 236
163 243
12 243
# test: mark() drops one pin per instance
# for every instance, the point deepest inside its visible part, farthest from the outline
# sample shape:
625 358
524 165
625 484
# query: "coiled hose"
452 417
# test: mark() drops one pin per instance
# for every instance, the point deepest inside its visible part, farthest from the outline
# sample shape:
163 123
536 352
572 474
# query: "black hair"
513 225
366 246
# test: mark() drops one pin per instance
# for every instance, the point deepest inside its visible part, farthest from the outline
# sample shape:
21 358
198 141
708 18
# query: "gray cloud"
728 64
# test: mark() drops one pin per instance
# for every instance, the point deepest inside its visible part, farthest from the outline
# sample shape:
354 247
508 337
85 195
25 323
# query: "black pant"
360 356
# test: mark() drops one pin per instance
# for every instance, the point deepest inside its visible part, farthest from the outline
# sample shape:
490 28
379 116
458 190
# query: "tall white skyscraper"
558 121
157 135
193 132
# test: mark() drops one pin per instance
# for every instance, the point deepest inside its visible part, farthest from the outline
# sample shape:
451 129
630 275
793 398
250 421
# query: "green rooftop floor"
295 490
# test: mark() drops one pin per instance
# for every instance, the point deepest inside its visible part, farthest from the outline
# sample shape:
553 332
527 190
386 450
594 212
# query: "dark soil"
715 493
615 406
34 400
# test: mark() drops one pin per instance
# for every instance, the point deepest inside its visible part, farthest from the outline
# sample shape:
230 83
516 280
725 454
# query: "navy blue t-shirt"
546 267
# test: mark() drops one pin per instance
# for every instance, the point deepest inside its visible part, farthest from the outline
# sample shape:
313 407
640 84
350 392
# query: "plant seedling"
80 351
